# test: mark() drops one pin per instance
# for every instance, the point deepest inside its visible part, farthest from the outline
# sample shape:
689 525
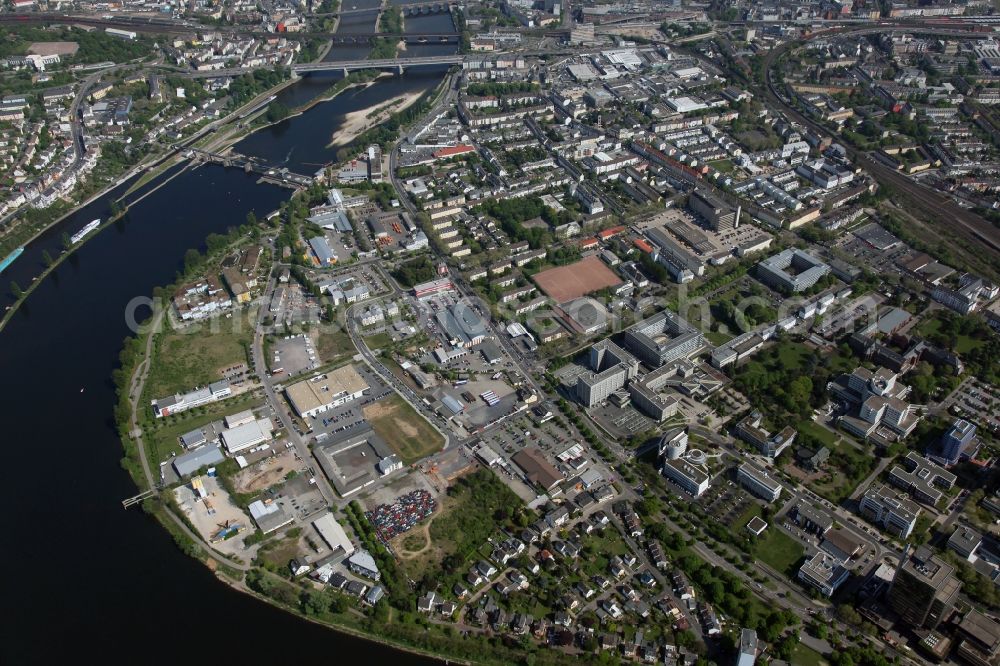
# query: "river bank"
150 167
137 583
357 122
399 630
56 261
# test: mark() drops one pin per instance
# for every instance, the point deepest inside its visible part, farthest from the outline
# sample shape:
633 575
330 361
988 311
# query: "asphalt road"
281 414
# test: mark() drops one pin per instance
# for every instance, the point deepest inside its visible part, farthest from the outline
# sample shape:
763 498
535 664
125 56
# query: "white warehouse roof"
333 534
247 435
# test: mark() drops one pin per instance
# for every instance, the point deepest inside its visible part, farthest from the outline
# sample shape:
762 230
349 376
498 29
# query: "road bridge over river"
398 64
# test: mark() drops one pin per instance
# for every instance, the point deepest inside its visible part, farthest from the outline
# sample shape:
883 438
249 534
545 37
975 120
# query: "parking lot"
864 254
398 485
511 438
293 355
390 520
978 402
727 502
302 496
341 242
477 411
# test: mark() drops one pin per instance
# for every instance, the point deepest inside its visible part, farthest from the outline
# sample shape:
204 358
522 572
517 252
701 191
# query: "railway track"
964 223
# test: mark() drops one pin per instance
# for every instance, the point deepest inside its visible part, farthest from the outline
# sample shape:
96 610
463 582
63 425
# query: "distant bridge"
158 25
413 9
388 63
408 37
399 64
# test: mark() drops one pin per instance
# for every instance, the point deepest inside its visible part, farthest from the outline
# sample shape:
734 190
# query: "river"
105 583
303 143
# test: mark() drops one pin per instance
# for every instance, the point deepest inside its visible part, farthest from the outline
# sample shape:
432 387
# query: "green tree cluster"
414 271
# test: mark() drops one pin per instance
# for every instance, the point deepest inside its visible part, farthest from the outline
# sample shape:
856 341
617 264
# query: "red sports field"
575 280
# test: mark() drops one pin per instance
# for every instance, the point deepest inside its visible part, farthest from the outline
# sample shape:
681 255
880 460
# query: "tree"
819 630
47 258
66 242
16 290
192 260
315 602
848 615
277 111
251 219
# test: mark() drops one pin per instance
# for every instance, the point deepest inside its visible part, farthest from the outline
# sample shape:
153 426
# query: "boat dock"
10 258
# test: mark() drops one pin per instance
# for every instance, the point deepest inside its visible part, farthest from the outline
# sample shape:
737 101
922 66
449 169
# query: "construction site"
209 509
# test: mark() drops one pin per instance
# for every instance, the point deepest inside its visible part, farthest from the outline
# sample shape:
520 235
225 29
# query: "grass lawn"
792 354
717 338
836 490
963 343
378 341
333 346
462 525
403 429
161 437
193 356
806 656
778 550
847 467
753 510
279 553
724 165
828 438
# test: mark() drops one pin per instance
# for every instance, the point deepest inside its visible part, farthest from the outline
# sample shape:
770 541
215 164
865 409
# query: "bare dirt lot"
211 514
400 485
53 48
413 543
267 472
574 280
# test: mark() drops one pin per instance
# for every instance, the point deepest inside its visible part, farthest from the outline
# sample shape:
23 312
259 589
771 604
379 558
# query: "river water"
303 144
86 579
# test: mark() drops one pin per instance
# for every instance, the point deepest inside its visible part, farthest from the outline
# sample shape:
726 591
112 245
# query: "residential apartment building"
824 573
771 445
922 479
611 367
965 541
956 441
882 411
980 639
692 479
891 510
791 270
758 482
719 215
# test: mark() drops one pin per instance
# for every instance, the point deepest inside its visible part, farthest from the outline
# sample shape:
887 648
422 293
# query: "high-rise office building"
924 589
956 441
